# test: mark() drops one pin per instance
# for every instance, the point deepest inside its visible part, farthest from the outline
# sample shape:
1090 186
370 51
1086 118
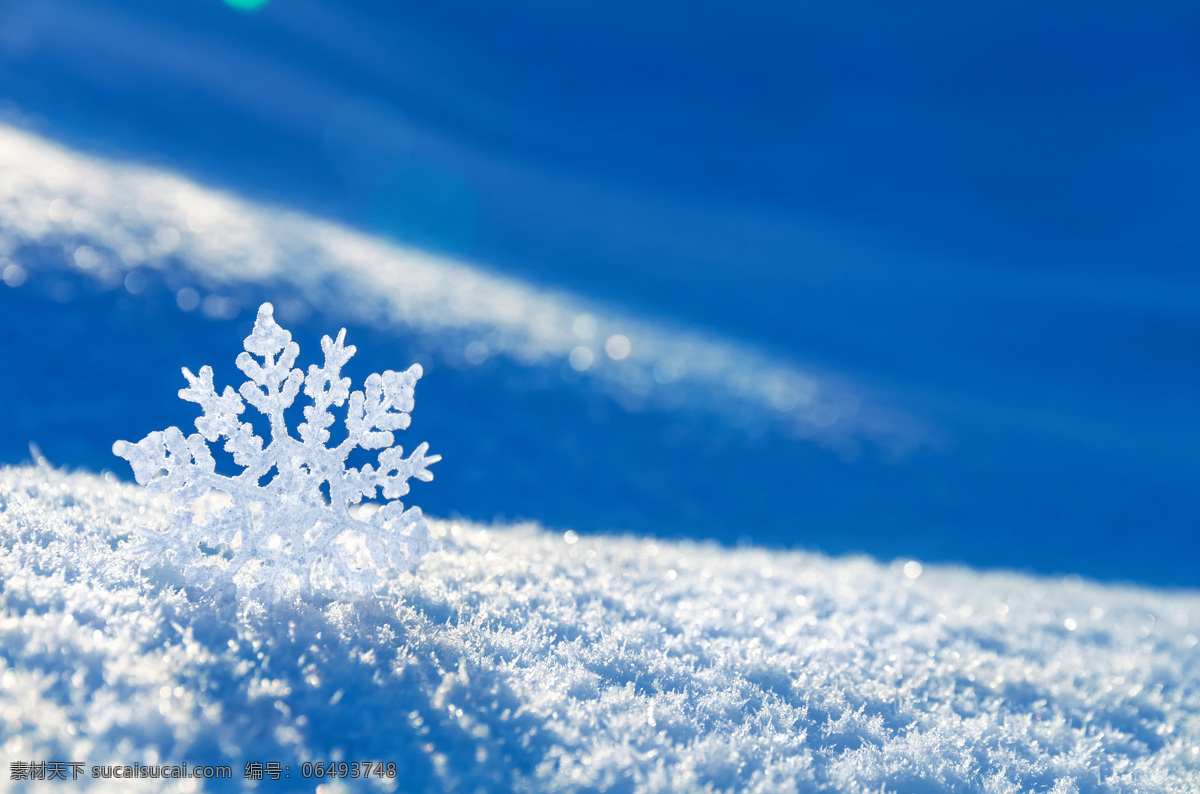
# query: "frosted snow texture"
525 659
276 530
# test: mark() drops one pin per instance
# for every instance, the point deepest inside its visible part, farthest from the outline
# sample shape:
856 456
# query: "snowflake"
292 520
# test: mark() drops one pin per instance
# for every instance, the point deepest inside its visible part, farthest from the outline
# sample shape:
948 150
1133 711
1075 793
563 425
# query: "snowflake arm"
220 418
325 388
381 408
273 384
166 462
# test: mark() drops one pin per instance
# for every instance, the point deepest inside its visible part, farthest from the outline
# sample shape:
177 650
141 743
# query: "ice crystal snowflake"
287 522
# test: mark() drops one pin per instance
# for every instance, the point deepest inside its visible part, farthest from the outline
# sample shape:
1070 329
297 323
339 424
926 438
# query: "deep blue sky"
987 214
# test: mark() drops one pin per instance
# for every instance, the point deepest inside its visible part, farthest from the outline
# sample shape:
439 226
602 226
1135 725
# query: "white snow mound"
518 658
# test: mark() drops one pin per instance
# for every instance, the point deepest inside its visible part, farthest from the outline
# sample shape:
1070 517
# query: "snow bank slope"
112 219
518 658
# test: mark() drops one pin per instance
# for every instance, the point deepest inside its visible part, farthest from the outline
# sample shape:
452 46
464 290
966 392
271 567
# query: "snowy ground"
521 658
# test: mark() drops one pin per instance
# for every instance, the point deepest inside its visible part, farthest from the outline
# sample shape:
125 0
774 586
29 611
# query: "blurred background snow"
905 280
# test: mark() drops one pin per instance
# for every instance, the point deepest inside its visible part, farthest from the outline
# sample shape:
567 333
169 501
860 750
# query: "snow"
518 658
114 221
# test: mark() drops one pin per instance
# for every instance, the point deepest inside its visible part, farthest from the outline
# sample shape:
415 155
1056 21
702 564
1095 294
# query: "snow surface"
522 658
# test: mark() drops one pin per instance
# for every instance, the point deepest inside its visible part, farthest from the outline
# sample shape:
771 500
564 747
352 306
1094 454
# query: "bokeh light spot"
585 326
246 5
476 353
187 299
12 274
618 347
581 359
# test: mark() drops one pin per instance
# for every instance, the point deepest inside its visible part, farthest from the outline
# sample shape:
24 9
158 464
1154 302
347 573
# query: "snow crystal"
287 535
524 659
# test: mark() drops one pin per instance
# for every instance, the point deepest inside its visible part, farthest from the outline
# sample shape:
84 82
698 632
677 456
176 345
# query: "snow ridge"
519 658
115 221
